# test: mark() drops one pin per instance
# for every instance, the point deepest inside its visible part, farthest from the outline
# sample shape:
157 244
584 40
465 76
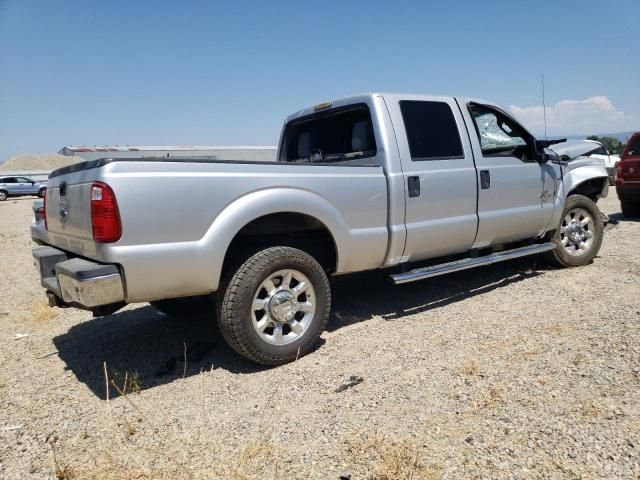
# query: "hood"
575 148
583 162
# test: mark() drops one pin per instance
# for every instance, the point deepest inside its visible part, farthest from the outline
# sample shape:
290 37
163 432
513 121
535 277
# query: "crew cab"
417 185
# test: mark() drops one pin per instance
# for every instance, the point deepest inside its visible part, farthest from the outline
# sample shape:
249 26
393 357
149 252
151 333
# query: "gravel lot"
510 371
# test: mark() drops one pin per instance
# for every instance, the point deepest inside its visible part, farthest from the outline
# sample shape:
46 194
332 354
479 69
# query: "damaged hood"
574 148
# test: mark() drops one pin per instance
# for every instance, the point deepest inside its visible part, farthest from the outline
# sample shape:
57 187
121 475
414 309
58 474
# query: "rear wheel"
41 192
579 235
630 209
186 307
274 307
3 195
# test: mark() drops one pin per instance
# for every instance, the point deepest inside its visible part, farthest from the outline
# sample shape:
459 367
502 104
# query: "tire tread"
232 294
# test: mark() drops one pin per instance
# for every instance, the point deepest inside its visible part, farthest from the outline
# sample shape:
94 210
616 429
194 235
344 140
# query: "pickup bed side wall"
175 245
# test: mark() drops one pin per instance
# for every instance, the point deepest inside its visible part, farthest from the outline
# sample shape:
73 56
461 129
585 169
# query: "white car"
589 148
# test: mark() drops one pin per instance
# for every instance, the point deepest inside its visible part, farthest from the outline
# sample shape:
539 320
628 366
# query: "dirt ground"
509 371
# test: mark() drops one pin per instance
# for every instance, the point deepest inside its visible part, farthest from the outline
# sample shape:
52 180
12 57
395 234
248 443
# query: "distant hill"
48 161
621 136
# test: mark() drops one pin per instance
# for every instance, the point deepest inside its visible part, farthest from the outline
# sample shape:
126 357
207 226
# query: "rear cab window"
342 135
431 130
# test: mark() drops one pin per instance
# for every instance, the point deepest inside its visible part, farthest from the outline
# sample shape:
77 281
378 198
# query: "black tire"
630 209
560 256
186 307
41 192
3 195
236 294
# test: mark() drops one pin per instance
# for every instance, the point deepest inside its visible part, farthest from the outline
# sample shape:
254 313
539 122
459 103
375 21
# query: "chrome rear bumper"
78 282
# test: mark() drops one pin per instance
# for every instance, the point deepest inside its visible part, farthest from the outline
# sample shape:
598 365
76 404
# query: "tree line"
612 144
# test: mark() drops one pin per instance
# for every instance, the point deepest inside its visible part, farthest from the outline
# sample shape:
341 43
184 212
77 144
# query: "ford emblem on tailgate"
64 213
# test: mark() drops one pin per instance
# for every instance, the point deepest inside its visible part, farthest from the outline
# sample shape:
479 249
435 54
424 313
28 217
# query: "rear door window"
431 129
338 135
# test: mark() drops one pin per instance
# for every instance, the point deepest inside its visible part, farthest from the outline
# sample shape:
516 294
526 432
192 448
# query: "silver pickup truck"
417 185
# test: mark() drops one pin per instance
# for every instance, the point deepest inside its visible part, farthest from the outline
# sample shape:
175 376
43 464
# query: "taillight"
105 218
44 210
619 170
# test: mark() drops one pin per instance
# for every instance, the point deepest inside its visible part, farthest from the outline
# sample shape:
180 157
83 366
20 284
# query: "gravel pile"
510 371
48 161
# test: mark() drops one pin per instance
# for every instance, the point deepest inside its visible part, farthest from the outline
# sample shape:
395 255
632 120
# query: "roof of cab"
364 97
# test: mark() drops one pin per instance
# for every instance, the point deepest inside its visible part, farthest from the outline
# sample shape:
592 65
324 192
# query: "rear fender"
348 242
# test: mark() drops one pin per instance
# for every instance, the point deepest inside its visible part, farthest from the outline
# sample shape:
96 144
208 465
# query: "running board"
466 263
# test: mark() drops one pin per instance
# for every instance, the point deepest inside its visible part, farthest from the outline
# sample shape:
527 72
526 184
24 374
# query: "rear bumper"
78 282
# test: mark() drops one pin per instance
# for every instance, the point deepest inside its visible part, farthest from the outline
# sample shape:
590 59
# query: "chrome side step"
466 263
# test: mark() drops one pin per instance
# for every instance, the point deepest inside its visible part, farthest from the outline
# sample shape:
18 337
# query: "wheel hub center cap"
576 233
283 306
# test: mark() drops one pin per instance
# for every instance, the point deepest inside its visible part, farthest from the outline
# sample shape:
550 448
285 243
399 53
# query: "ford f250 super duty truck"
417 185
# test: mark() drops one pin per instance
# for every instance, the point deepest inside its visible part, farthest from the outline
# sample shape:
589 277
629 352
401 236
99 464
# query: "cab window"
500 136
431 129
343 135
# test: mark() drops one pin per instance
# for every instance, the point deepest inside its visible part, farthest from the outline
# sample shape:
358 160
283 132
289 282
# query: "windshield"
633 150
339 135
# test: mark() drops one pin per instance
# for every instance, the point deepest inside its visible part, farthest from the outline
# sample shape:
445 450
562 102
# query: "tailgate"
630 169
68 210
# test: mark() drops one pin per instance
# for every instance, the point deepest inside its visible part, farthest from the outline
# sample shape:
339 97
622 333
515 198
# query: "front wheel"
579 235
3 195
274 307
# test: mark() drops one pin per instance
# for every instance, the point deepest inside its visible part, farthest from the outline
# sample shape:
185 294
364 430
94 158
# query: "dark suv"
19 186
628 177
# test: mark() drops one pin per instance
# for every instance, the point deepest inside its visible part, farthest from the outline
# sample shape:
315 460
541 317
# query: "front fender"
576 176
581 171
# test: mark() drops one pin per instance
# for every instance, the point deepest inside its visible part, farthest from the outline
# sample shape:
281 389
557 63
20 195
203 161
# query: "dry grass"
386 459
469 366
588 408
578 359
39 312
127 382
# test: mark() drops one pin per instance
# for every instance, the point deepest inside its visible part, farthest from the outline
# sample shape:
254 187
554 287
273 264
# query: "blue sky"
196 72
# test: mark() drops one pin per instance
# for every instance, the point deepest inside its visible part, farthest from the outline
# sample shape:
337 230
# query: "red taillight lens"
105 218
44 210
619 170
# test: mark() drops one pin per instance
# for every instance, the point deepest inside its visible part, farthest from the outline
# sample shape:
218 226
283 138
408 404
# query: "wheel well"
591 188
284 229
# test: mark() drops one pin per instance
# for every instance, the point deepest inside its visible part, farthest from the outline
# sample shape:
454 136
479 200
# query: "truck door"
439 176
515 193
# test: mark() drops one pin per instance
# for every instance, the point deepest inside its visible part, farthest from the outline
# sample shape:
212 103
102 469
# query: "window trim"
462 156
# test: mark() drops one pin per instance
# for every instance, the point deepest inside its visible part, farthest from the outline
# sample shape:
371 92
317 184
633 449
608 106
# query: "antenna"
544 110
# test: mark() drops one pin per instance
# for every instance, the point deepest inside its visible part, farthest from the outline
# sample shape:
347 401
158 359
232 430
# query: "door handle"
485 179
413 184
